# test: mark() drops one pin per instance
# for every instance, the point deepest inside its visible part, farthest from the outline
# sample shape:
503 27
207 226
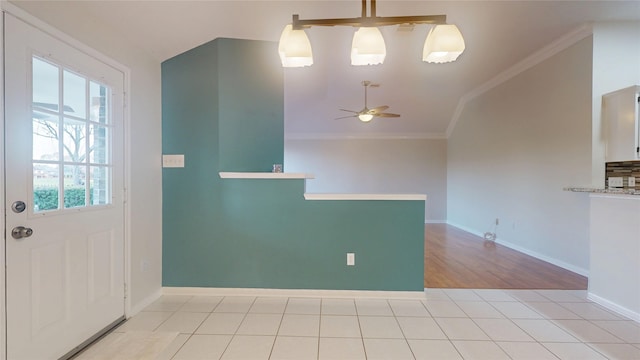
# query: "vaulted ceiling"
498 35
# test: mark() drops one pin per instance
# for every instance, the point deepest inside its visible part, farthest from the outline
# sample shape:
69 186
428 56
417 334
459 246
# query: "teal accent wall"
223 110
251 105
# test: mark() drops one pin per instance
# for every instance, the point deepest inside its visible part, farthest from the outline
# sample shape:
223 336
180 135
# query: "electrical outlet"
173 161
631 181
351 259
615 181
490 236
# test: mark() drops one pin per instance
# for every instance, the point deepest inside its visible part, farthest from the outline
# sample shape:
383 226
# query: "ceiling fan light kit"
444 42
365 115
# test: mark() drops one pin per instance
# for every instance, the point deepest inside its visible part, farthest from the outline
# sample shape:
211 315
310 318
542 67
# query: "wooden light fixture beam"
368 21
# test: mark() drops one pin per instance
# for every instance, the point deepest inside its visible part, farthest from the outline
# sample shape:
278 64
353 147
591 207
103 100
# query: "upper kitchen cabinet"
620 114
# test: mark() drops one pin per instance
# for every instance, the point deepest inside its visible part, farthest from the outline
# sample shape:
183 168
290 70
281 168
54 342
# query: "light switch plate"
631 181
615 181
351 259
172 161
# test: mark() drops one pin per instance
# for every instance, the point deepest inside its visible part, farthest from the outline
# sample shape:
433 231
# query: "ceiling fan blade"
367 113
378 109
387 115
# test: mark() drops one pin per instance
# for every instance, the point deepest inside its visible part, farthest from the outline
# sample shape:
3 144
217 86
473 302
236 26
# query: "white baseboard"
206 291
537 255
614 307
435 221
136 308
556 262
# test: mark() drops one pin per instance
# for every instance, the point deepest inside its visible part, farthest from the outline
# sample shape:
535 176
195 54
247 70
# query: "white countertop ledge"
264 175
421 197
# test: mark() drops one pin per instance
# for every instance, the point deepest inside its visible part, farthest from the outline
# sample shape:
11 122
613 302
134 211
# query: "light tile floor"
445 324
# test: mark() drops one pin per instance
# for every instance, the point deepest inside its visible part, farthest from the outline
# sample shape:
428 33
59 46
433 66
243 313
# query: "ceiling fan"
366 114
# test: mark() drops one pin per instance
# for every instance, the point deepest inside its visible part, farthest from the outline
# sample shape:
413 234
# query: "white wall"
374 166
616 65
145 191
514 149
615 253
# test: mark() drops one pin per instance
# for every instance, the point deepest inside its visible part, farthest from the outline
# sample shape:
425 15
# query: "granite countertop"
616 191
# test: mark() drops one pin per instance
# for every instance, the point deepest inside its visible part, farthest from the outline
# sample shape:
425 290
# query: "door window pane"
71 145
74 135
74 186
99 103
75 95
45 85
45 137
46 185
98 136
100 185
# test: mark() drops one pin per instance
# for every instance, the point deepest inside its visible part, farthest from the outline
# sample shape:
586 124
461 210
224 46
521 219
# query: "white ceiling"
498 34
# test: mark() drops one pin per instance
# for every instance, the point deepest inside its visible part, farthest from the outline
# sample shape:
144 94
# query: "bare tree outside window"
71 139
74 143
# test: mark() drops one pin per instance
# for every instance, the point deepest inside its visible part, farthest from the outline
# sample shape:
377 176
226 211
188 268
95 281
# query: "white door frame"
6 7
3 308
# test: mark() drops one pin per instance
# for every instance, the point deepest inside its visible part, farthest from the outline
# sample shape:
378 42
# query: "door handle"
20 232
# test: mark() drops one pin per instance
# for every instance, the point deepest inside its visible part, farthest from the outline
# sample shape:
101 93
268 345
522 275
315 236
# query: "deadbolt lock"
18 206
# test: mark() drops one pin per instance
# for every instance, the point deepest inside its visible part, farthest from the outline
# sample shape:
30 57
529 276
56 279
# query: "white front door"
64 194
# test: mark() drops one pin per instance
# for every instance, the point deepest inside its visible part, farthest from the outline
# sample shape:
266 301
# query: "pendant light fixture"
443 44
368 47
294 48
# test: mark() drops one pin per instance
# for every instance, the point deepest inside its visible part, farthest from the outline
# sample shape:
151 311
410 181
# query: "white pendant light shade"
368 47
444 44
365 117
294 48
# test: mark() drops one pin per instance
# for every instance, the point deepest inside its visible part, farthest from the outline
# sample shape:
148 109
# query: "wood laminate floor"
454 258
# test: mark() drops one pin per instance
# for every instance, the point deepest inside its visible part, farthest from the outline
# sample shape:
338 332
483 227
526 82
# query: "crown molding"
534 59
364 136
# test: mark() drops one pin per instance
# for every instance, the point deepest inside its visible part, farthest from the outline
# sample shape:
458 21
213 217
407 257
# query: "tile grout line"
180 347
364 348
402 331
239 326
536 341
275 338
319 325
190 335
495 342
444 332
